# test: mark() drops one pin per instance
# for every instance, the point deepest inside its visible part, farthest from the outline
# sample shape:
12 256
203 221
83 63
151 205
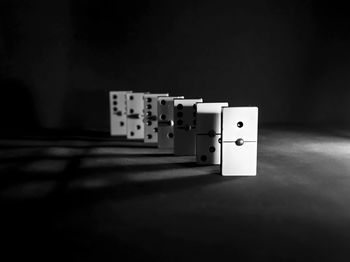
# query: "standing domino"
166 121
134 121
117 108
185 125
239 141
151 117
208 135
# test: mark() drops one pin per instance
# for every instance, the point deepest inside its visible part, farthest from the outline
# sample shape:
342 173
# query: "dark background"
60 58
86 198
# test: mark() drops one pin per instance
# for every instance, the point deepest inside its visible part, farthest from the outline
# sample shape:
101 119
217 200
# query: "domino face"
185 121
134 122
151 117
166 121
208 135
117 108
239 141
208 149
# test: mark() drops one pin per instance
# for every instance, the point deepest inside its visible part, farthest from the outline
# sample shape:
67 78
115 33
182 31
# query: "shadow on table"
118 180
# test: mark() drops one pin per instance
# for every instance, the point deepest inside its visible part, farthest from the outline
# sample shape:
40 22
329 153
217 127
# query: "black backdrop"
60 58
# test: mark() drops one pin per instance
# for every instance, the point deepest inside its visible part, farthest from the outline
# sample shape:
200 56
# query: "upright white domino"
151 117
208 133
166 121
185 124
134 122
239 141
117 108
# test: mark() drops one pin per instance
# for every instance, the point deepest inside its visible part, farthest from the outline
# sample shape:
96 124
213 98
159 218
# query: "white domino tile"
239 141
117 107
135 111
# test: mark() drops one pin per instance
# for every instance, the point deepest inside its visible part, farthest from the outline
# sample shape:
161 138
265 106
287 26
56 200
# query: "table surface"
87 198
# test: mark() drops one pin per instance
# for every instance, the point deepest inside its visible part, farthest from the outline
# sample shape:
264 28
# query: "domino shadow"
82 146
135 155
15 175
16 172
30 158
134 169
120 173
133 189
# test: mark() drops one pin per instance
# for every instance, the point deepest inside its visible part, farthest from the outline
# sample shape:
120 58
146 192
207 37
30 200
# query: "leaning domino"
151 117
208 135
134 120
166 121
185 125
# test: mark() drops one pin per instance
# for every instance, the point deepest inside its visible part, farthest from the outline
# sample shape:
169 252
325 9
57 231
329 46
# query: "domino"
208 133
239 141
134 121
117 108
151 117
184 126
166 121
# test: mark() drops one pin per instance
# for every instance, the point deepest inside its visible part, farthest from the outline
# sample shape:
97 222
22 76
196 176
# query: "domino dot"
115 103
163 117
149 123
131 111
132 133
170 135
115 109
163 102
149 106
211 149
138 127
131 97
239 142
149 136
149 99
121 123
240 124
115 96
149 113
179 122
180 107
179 114
211 133
155 130
119 113
203 158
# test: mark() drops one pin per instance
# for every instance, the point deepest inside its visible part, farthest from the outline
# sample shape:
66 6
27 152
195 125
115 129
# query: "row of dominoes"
214 132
